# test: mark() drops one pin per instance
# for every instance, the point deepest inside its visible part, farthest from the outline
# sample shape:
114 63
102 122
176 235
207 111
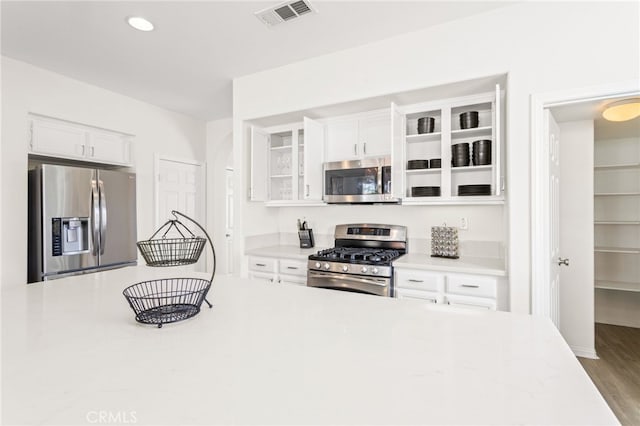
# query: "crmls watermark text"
107 417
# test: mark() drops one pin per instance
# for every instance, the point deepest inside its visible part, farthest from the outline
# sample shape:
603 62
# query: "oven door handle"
374 281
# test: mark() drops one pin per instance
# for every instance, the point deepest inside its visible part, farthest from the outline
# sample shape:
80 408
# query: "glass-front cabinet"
286 163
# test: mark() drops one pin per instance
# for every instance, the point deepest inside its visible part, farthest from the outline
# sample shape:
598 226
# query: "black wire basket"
172 251
168 300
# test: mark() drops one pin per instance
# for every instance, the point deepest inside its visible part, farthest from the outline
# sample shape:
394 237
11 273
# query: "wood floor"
617 373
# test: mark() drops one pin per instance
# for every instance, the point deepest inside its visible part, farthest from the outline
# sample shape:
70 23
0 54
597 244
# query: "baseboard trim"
583 352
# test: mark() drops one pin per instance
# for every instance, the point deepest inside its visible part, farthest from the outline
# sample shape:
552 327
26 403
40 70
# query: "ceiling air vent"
284 12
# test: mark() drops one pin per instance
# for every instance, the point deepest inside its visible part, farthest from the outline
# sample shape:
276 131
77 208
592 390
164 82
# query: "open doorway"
598 231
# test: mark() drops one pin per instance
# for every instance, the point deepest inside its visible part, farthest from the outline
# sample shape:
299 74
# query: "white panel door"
179 188
229 221
313 159
552 132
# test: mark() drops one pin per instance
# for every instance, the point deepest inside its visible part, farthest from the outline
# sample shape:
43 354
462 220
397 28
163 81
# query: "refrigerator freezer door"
118 232
66 194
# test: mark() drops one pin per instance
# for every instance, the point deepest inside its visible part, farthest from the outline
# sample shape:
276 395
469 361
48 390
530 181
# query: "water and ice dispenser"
70 235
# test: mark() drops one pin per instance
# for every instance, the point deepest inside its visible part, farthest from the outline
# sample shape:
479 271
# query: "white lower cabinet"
281 271
460 290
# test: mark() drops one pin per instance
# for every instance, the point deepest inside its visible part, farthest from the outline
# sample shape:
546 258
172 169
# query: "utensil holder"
306 238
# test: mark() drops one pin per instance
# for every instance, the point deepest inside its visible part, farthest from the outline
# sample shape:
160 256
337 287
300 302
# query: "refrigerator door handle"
103 216
95 216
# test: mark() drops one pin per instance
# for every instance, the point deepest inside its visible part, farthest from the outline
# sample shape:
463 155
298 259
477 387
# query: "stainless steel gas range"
361 259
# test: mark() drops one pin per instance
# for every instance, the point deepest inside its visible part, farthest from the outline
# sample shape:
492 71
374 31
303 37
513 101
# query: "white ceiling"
188 62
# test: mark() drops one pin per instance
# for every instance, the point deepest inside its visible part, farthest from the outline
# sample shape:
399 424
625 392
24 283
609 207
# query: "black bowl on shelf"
426 125
425 191
469 120
417 164
435 163
471 190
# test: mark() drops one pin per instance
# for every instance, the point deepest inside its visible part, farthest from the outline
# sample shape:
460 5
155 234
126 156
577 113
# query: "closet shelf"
617 222
615 194
625 250
618 285
617 166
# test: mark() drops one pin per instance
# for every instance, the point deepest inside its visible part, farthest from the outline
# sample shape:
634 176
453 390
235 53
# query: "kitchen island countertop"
72 353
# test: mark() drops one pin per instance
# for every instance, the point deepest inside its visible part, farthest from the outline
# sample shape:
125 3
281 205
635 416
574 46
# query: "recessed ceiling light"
139 23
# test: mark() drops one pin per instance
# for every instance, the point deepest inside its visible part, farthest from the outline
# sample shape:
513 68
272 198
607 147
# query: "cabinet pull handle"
470 285
261 264
355 149
307 190
82 149
292 267
415 281
92 151
364 148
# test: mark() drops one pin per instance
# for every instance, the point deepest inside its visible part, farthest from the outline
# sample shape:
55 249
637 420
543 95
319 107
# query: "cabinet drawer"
425 296
472 285
265 277
468 302
293 279
265 264
419 280
293 267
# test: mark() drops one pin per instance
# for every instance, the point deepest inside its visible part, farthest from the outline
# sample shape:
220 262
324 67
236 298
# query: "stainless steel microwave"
358 181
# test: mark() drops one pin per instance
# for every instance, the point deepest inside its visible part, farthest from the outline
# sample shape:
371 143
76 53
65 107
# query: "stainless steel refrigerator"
80 220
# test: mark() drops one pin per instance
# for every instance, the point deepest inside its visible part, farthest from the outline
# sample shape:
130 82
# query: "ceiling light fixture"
139 23
626 109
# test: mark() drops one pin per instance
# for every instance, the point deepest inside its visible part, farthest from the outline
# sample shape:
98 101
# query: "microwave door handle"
103 217
95 217
379 185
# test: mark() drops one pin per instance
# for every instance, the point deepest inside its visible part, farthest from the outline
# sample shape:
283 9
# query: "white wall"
219 157
25 89
544 46
576 236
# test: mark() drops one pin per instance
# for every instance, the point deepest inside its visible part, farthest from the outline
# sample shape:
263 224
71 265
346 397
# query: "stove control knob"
345 268
327 266
318 265
364 269
375 270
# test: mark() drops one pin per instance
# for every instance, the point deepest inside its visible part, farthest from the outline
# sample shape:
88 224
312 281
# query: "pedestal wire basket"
168 300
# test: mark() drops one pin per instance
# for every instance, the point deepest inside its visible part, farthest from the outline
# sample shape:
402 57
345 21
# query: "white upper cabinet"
286 164
358 136
313 157
61 139
259 164
448 157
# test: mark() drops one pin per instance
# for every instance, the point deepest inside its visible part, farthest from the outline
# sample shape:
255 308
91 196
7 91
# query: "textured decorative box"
444 242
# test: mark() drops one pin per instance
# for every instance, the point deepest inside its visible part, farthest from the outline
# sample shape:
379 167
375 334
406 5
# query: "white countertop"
284 252
277 354
465 264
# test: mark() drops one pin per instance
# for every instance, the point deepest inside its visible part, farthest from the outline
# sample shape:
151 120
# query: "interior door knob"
562 261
